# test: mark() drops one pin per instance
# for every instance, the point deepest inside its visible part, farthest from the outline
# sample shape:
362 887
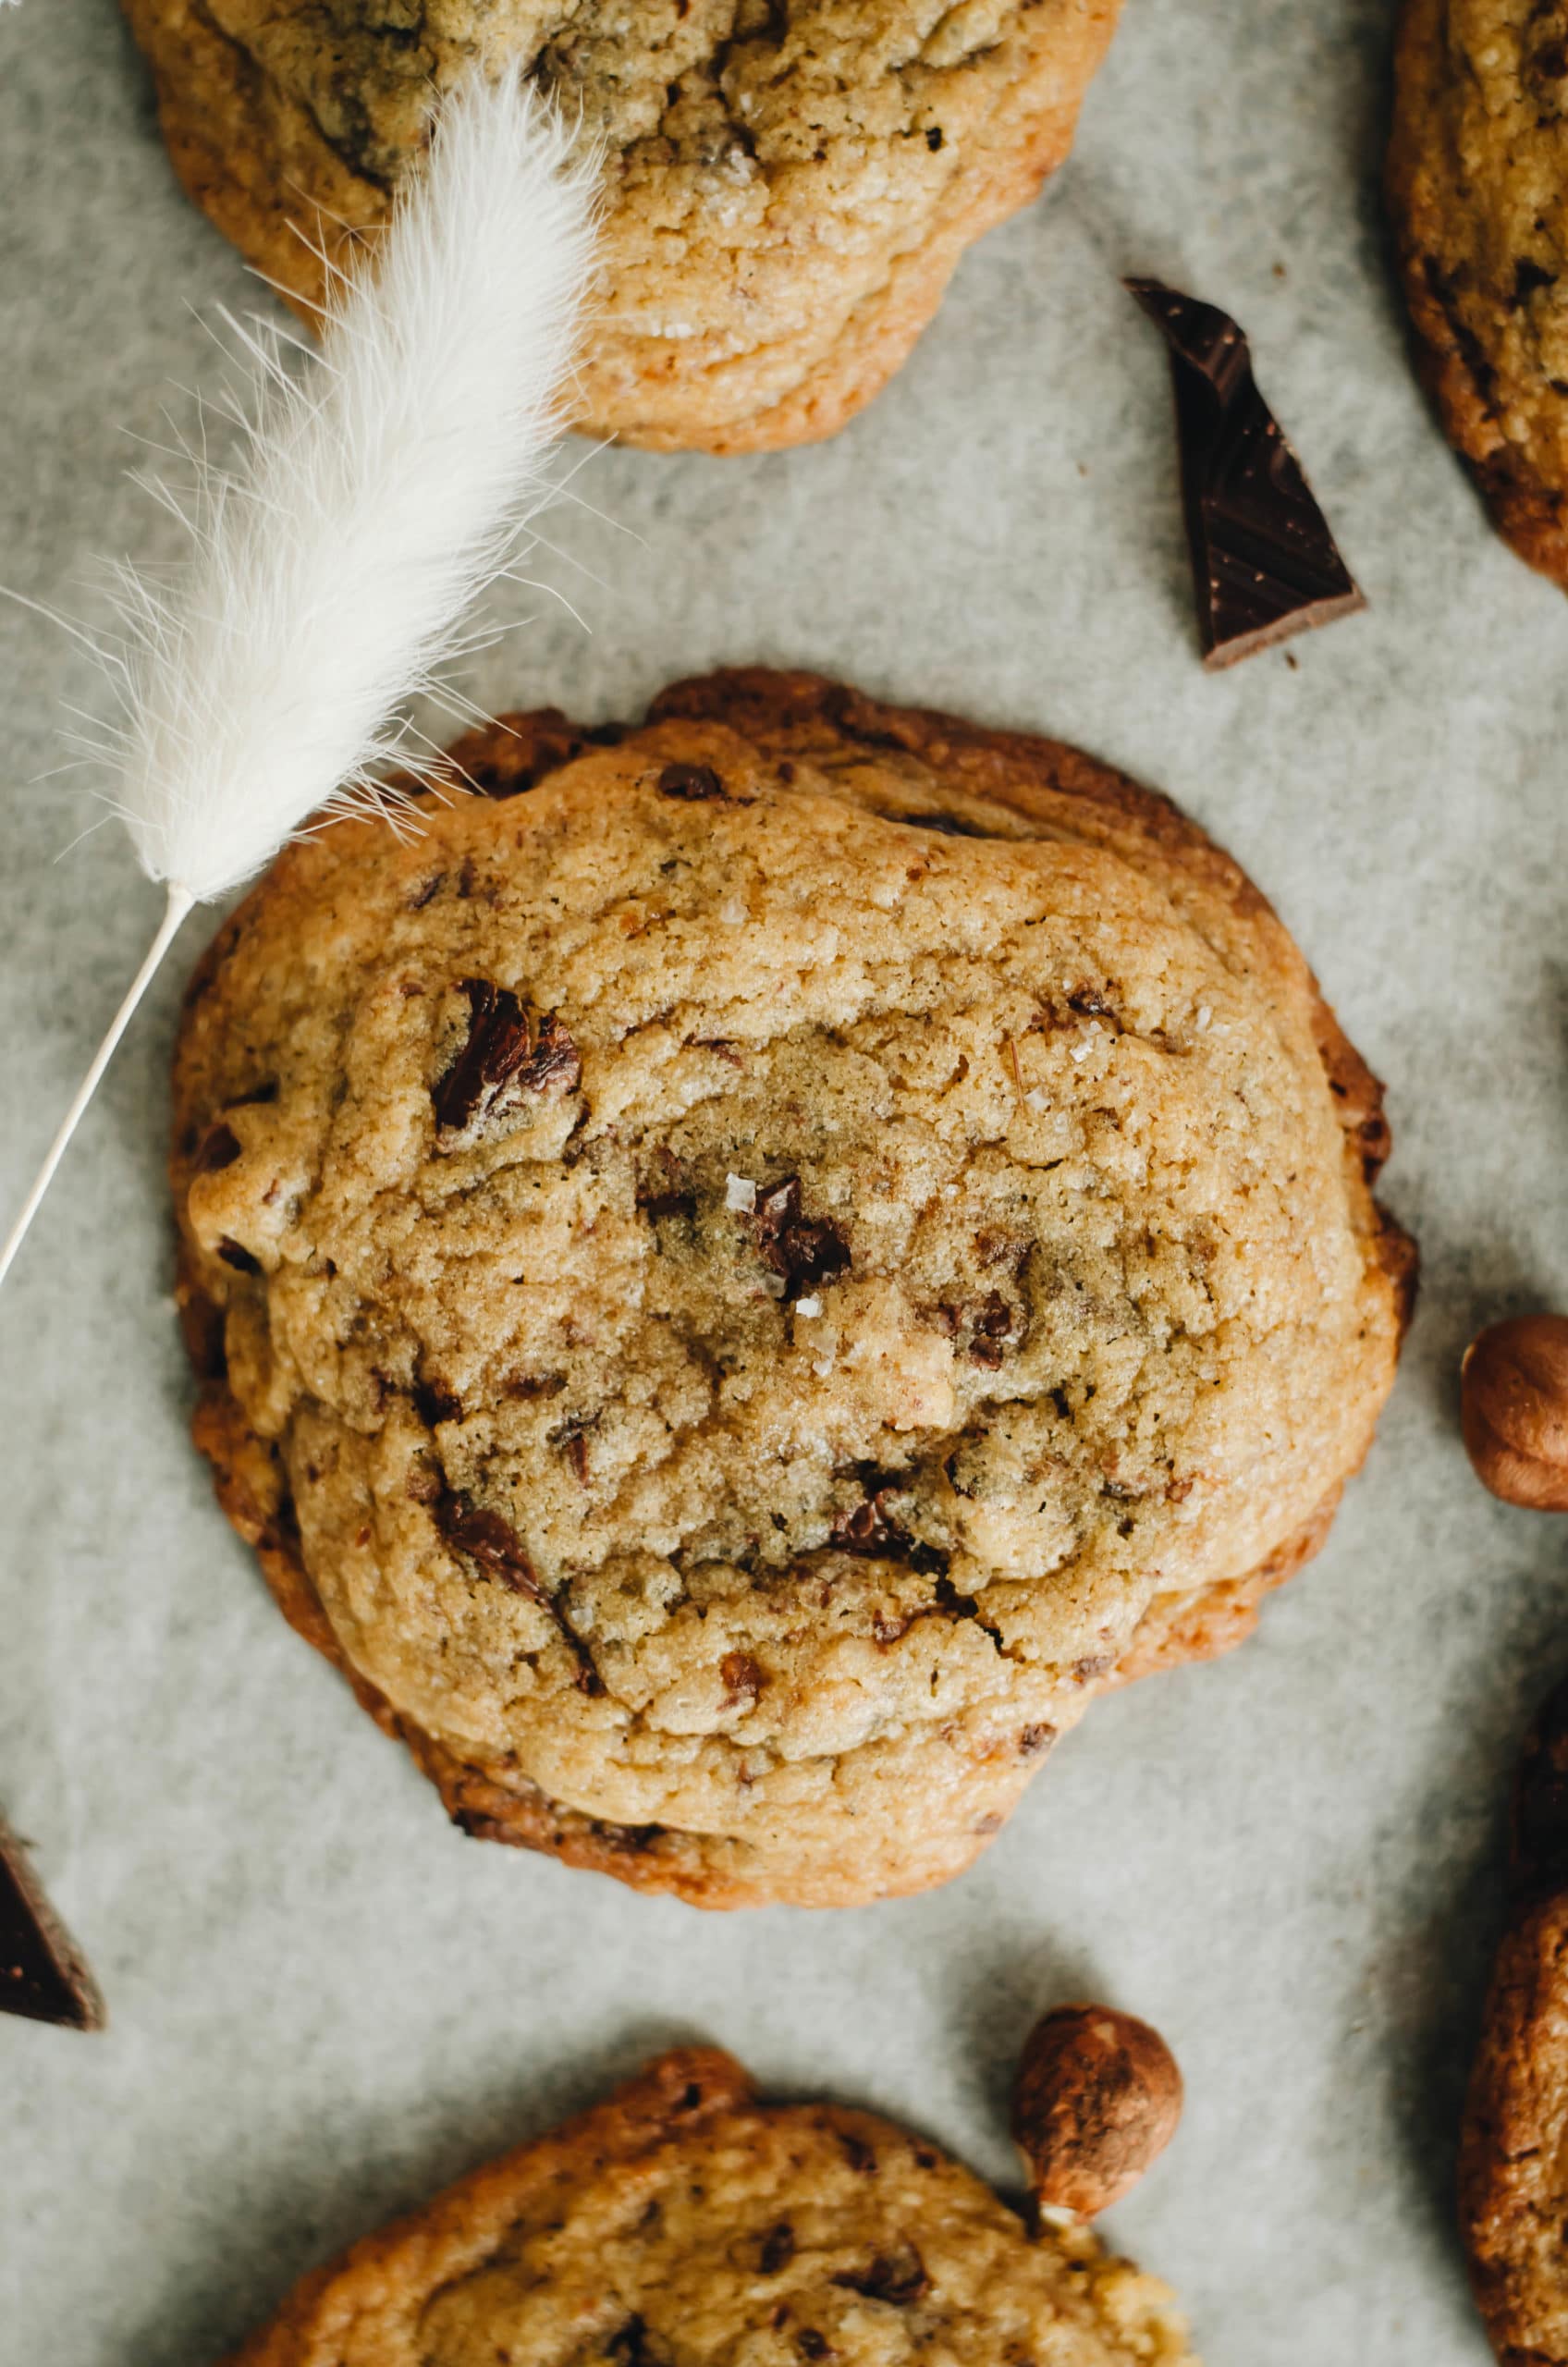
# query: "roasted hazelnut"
1097 2099
1513 1410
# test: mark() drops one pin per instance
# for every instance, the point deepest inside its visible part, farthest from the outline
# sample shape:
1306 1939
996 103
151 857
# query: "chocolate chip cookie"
1513 2152
758 1262
1478 189
788 183
684 2221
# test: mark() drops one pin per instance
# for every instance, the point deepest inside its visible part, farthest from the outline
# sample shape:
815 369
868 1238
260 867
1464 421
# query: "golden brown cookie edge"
1512 2168
676 2095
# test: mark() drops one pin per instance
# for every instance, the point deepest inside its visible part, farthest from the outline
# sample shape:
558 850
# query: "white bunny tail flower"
379 489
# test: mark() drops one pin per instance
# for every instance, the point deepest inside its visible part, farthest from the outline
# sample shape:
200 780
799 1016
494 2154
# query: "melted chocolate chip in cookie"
505 1051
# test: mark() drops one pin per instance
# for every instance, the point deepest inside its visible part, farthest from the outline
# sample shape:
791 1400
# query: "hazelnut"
1097 2099
1513 1410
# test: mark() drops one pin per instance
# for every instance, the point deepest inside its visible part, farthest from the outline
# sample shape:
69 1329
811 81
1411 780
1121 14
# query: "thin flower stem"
178 904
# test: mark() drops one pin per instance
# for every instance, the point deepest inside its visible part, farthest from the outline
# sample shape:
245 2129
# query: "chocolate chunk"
497 1549
219 1149
665 1191
573 1436
436 1403
993 1324
743 1679
239 1259
1033 1740
804 1250
869 1528
488 1539
661 1206
629 2346
898 2277
1264 562
857 2152
777 2248
950 826
694 782
505 1051
993 1247
811 2344
42 1976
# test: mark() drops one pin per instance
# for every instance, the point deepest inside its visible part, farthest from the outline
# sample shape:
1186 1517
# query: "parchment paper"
323 2000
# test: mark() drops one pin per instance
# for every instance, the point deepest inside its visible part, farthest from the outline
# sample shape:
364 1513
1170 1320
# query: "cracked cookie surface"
1478 189
788 183
752 1269
688 2223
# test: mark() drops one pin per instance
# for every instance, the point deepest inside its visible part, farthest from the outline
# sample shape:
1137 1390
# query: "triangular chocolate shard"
1265 565
41 1973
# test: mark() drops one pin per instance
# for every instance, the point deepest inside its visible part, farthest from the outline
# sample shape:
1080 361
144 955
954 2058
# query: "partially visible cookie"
685 2223
1513 2149
751 1270
1478 179
789 183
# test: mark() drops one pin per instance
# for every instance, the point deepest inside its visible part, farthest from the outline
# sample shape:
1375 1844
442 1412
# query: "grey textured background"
323 2000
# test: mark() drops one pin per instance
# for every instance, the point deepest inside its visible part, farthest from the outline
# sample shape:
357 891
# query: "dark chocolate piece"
1264 562
777 2248
693 782
497 1551
898 2277
804 1250
869 1528
41 1973
505 1050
